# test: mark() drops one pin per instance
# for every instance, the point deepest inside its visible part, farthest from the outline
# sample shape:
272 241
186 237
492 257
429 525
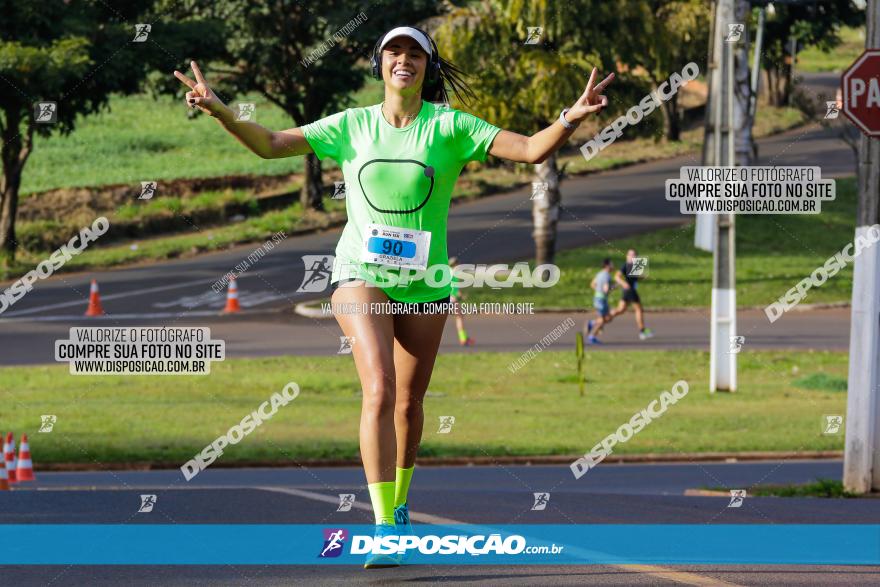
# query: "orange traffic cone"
9 457
232 298
25 470
94 308
4 479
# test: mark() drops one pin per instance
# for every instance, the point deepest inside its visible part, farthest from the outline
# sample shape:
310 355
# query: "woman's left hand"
591 100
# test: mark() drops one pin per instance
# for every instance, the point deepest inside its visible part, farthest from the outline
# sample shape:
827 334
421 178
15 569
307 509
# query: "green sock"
401 484
382 496
462 335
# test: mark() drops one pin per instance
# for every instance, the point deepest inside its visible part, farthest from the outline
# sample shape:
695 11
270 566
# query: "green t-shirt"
398 177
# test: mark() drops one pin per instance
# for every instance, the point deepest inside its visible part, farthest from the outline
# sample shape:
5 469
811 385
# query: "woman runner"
400 160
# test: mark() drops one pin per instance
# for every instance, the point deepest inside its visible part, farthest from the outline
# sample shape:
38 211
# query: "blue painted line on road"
288 544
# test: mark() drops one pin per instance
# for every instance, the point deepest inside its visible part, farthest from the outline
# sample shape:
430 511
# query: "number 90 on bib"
400 247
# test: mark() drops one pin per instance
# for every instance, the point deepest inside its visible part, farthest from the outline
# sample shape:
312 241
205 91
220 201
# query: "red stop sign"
861 92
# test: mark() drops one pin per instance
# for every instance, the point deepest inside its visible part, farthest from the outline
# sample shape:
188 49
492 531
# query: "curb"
647 458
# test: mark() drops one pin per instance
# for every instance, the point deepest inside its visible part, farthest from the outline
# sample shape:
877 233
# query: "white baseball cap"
407 31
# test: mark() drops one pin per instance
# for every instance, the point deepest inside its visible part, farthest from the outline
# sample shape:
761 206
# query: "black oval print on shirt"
407 184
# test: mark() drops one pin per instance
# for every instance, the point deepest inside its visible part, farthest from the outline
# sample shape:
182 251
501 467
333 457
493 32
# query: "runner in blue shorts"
601 285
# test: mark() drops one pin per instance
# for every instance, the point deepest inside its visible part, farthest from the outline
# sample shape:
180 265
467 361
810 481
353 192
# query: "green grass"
822 382
838 59
141 138
821 488
537 411
773 253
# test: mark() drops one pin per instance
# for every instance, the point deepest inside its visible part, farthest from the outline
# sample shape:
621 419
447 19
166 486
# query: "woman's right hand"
200 95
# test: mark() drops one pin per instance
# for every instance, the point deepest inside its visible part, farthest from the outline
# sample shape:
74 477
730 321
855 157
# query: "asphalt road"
609 494
273 334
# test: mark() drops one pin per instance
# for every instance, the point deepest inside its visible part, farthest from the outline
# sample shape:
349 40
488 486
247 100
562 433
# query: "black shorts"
398 307
631 296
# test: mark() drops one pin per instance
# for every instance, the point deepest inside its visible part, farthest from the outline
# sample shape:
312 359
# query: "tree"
671 33
305 61
62 60
523 87
807 22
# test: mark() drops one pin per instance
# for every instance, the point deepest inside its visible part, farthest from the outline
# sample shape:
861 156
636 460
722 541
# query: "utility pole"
861 466
722 366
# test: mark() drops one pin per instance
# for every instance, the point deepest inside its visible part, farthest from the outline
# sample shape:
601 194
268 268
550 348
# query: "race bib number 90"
400 247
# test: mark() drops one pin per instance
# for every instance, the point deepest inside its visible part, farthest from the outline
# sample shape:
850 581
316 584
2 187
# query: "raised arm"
539 146
262 141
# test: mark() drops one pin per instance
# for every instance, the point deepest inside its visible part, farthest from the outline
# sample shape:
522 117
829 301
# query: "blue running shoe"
594 340
590 326
404 526
383 561
401 518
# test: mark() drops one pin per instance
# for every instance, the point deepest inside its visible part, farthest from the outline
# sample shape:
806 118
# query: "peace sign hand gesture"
591 100
200 95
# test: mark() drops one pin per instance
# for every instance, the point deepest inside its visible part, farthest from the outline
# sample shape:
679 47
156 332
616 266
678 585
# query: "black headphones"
432 72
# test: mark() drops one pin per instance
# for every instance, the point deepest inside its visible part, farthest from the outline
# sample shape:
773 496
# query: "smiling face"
403 65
